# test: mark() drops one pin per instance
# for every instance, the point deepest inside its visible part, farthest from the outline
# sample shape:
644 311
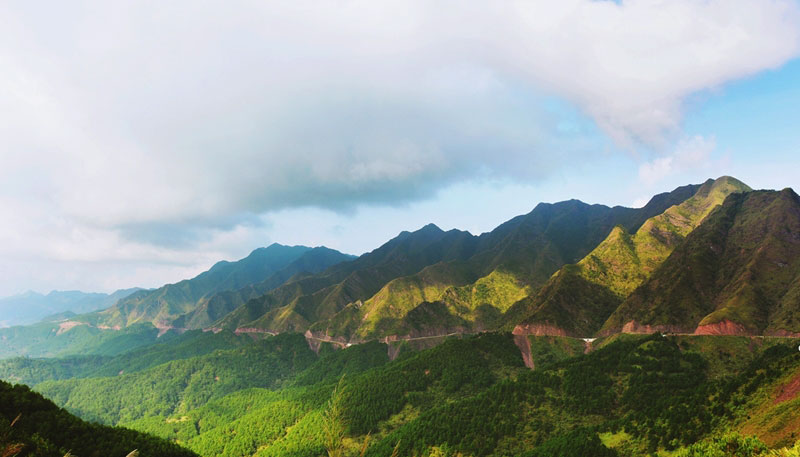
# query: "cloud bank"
145 122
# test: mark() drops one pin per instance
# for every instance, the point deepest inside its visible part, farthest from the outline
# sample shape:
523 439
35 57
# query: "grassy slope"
213 307
166 303
48 431
296 304
46 340
507 265
580 297
741 265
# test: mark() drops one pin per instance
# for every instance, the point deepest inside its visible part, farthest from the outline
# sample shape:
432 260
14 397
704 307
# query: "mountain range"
575 329
568 268
31 307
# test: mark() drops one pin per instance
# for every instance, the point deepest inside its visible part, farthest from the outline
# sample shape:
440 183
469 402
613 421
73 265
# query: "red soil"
539 330
724 327
788 391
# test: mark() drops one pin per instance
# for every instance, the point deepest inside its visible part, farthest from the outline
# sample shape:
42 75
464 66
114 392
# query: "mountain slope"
296 304
508 264
162 305
32 307
738 272
36 427
213 307
620 263
180 385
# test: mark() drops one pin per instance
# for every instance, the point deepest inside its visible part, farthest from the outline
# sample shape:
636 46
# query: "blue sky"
142 142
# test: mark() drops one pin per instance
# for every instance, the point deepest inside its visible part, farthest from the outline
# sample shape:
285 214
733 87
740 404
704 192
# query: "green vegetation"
30 425
53 340
728 264
476 278
191 302
181 385
739 269
579 298
32 371
470 396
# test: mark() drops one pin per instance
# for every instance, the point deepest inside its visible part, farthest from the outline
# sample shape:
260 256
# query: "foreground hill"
475 278
739 272
579 299
163 305
32 425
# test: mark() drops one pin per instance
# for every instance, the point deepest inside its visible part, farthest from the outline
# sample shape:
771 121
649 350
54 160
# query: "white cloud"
127 125
691 154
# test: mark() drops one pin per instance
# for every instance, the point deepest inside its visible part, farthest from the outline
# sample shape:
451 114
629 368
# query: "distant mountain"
213 307
473 278
579 299
32 307
737 273
164 305
298 303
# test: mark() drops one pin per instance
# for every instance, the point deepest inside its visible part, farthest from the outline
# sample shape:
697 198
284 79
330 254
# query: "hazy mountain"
213 307
32 307
166 303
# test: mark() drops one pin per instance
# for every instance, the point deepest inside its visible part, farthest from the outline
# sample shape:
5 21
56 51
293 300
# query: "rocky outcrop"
635 327
67 326
723 327
315 340
539 330
524 345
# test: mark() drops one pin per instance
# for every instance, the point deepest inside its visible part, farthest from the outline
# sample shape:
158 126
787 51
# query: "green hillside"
181 385
31 425
475 397
738 272
297 304
579 299
26 370
54 339
213 307
460 293
162 305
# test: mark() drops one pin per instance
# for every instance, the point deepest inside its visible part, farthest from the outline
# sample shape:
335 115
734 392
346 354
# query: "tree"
334 426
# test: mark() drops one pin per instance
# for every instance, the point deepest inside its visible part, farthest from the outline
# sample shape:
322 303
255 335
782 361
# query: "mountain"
215 306
297 303
31 425
738 272
579 299
161 306
471 278
32 307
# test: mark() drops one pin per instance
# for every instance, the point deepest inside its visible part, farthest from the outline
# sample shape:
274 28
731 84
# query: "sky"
142 141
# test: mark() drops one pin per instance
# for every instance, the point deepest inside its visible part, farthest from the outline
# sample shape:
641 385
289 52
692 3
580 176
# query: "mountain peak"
430 228
722 187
